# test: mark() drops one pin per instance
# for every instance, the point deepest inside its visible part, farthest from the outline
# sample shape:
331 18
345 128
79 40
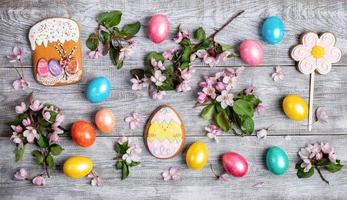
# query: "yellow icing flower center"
317 52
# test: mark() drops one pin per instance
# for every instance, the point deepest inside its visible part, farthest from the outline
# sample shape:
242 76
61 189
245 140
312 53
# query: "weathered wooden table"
145 182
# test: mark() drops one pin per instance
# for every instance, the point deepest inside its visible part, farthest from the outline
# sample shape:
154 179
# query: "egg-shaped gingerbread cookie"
164 133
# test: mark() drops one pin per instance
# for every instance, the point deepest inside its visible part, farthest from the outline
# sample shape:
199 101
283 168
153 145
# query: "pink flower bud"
20 175
17 129
53 138
220 86
319 156
39 181
26 122
202 98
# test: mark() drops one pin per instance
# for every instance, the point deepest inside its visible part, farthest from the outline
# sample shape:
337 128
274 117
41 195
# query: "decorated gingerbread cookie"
164 133
57 55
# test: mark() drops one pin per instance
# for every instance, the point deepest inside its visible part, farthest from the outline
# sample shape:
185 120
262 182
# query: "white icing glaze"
53 30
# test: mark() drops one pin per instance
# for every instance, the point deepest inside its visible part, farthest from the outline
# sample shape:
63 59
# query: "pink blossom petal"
321 115
39 181
258 185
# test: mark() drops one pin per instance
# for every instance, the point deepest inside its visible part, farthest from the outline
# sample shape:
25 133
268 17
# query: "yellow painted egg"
77 166
295 107
197 155
164 133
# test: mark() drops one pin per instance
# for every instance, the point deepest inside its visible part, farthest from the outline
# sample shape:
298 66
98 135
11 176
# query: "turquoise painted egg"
98 89
277 160
272 30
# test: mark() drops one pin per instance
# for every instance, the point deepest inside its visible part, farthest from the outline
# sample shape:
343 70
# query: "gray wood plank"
17 17
145 181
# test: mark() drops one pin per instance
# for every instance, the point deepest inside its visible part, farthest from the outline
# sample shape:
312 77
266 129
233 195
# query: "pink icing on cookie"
166 114
42 67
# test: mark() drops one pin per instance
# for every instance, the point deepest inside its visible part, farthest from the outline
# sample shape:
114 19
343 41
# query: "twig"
321 175
225 24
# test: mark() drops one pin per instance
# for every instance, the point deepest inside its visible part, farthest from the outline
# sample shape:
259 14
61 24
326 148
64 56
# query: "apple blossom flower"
58 121
201 53
220 86
95 179
35 105
17 129
134 121
158 94
53 138
168 54
124 53
122 140
39 181
262 133
94 54
26 122
249 90
230 82
321 115
30 134
47 116
278 74
202 97
158 78
226 99
171 174
329 150
210 61
223 56
22 108
139 84
210 91
234 72
184 86
15 137
17 54
187 74
306 164
212 131
21 174
157 64
20 84
260 109
132 154
178 38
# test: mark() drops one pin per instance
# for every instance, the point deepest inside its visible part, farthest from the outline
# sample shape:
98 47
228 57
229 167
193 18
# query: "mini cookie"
57 54
316 53
164 133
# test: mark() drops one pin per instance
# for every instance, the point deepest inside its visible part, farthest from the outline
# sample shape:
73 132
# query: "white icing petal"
310 39
327 40
323 66
332 54
53 30
300 52
307 65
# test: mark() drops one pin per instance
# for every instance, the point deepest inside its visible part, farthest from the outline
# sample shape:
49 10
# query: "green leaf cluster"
324 163
122 165
111 36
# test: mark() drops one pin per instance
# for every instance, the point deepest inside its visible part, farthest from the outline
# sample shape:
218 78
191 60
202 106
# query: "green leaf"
242 107
38 156
222 121
208 112
42 141
18 120
131 29
156 56
55 149
19 153
302 174
185 42
186 54
92 42
247 125
206 44
169 70
225 47
184 65
120 64
116 33
50 161
42 121
121 148
105 37
109 19
119 164
113 55
323 162
133 164
200 34
125 171
117 148
332 167
252 99
167 85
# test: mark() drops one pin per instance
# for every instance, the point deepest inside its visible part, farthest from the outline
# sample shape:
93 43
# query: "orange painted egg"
105 120
73 66
164 133
83 133
42 67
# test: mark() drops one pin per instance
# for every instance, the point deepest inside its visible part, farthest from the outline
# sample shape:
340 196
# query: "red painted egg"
158 28
235 164
42 67
83 133
251 52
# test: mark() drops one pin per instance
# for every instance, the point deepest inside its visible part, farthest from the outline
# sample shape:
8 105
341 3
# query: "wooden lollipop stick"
310 111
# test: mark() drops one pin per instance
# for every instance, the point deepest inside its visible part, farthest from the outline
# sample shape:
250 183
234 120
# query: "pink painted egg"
251 52
158 28
42 67
235 164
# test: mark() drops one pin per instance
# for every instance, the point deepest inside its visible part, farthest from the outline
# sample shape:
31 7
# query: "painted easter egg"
277 160
77 166
98 89
42 67
83 133
105 120
251 52
235 164
55 68
164 133
272 30
295 107
158 28
197 155
73 66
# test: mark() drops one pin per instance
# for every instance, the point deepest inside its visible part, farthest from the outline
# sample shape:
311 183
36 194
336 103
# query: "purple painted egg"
158 28
42 67
55 68
251 52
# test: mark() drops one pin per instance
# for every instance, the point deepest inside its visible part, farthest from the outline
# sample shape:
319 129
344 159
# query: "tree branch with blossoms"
38 124
118 43
171 69
16 56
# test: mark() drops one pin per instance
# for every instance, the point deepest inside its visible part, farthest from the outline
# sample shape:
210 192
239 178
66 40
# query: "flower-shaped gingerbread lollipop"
315 54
